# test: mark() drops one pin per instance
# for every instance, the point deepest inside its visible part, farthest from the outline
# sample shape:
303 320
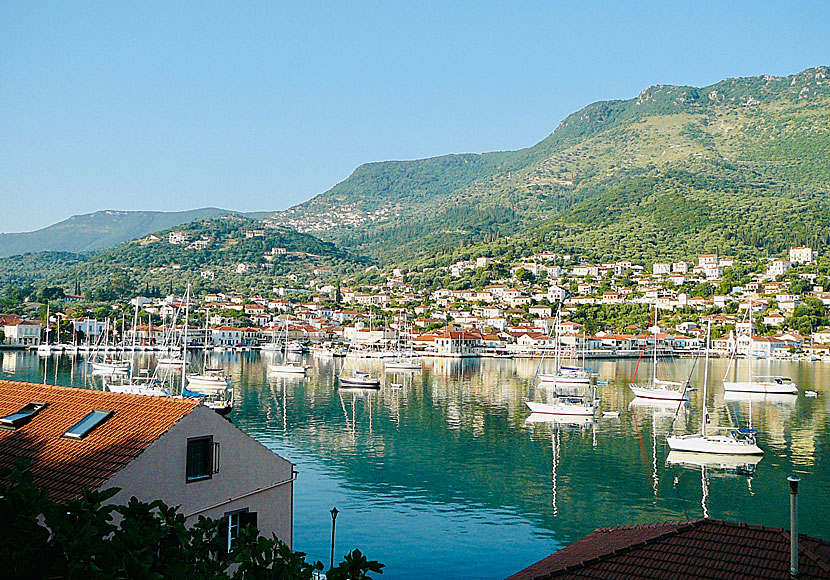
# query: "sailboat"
109 365
758 384
273 345
211 380
570 405
565 375
286 366
402 361
360 380
172 356
733 442
46 348
657 388
144 383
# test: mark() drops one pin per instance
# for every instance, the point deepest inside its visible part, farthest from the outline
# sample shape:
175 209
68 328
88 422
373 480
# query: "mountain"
207 252
741 167
96 231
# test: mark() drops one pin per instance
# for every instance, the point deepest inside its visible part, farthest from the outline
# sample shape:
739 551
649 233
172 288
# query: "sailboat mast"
654 349
135 330
749 349
705 411
184 335
557 332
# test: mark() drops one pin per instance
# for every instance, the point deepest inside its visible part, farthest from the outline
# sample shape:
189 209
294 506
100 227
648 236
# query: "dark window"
199 458
83 427
23 416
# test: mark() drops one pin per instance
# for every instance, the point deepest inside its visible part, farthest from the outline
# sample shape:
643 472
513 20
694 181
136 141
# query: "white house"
661 269
177 238
705 260
23 333
801 255
91 328
680 267
226 336
456 343
175 450
779 267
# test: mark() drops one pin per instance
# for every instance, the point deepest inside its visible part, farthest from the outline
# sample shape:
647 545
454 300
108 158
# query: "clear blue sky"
262 105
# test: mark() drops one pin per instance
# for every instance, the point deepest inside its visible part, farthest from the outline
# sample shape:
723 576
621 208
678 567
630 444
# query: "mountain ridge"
99 230
758 135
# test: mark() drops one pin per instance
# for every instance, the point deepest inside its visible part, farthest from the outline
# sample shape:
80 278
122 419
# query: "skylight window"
23 416
83 427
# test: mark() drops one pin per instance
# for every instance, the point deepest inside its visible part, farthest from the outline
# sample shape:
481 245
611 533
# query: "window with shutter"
236 522
199 458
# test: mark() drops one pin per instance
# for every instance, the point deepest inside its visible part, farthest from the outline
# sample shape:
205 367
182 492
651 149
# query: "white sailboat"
758 384
731 441
402 361
657 388
210 381
108 365
565 375
47 348
144 384
360 380
286 366
564 405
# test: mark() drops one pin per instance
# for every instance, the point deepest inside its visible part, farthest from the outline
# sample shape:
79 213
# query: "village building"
175 450
697 549
22 333
801 255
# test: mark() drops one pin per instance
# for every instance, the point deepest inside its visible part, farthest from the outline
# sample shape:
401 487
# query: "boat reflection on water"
731 464
714 464
561 420
773 398
658 407
560 423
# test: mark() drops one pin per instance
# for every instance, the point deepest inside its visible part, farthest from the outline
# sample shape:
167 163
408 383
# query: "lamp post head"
793 480
334 513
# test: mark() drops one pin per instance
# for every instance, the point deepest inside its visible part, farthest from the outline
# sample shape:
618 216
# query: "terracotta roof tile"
64 467
698 549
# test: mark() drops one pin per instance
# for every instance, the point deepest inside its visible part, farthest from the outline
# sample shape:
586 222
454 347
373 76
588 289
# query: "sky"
259 106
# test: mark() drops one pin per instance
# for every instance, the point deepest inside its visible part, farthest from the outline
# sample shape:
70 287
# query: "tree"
704 289
40 538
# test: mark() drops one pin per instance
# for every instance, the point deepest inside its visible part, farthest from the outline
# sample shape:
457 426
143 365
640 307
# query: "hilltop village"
489 308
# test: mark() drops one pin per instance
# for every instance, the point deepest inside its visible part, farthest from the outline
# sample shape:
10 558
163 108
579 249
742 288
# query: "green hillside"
742 167
216 246
97 231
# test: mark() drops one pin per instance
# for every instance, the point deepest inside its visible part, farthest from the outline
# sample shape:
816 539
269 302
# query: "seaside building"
175 450
704 548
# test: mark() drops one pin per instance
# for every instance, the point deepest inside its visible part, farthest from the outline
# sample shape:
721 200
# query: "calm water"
444 477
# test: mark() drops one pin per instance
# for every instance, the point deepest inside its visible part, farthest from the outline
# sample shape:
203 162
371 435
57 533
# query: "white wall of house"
248 476
23 334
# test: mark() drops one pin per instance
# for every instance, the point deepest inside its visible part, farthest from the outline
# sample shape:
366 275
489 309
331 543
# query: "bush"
40 538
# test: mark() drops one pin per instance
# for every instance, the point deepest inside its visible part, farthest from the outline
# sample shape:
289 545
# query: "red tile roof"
64 467
695 549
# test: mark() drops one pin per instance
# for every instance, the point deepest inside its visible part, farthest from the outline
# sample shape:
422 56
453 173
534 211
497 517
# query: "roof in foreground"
64 466
693 549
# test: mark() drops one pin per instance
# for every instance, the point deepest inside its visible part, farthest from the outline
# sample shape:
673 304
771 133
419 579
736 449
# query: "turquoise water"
443 477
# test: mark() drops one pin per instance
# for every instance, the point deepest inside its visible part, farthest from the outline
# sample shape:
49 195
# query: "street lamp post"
334 513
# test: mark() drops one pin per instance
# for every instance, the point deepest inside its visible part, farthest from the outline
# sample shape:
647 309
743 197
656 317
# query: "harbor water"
441 474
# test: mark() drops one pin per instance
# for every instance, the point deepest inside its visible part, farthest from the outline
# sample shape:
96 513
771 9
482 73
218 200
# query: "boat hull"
359 383
713 444
289 369
207 384
769 387
658 393
112 368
